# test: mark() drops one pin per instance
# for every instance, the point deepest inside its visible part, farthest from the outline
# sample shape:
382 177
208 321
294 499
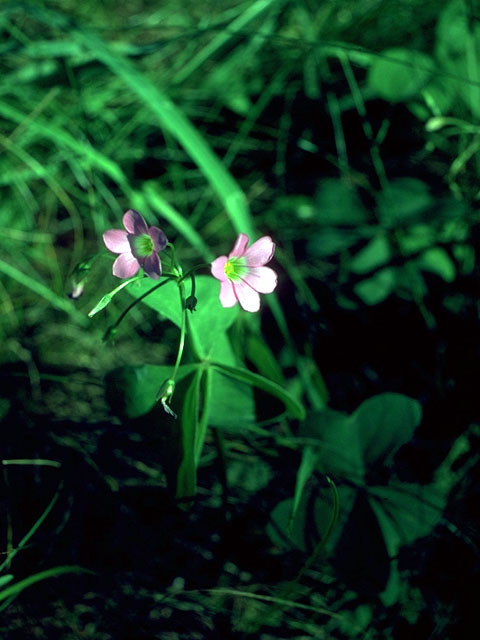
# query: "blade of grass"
54 572
43 291
31 532
305 470
227 34
63 139
170 117
179 222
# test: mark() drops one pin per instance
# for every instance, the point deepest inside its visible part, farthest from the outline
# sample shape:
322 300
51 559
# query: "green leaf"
349 445
438 261
166 301
337 202
246 376
405 513
331 240
413 510
403 201
375 254
132 391
262 357
361 557
232 404
375 289
417 237
307 467
187 471
383 424
204 325
339 449
400 74
392 541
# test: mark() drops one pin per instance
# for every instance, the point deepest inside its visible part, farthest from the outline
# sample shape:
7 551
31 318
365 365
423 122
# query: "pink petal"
248 297
116 240
262 279
159 238
240 246
134 222
260 252
125 266
218 268
227 294
152 266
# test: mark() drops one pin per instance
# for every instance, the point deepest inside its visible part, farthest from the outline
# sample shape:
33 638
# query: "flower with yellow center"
138 246
243 274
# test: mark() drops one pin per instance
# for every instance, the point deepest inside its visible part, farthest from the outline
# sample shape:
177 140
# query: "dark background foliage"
349 133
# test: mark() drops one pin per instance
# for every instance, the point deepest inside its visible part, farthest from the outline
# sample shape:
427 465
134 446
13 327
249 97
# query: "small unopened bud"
103 302
77 290
165 394
191 303
109 334
79 277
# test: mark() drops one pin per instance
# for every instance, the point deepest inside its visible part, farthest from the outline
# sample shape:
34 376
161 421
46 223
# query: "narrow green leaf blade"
305 470
295 408
187 471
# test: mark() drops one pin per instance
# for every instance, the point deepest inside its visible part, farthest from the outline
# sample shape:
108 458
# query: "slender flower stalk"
111 331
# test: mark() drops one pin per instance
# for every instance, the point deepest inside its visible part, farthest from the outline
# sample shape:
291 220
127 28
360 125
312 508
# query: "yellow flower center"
235 268
144 246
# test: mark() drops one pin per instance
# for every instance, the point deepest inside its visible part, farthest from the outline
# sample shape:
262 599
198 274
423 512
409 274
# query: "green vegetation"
185 470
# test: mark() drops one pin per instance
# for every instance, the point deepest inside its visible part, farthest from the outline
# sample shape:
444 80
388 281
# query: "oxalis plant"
205 386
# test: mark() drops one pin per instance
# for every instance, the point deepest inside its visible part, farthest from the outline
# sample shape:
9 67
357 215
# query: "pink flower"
243 275
138 246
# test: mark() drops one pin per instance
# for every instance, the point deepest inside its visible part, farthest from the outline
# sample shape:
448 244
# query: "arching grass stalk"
322 543
110 332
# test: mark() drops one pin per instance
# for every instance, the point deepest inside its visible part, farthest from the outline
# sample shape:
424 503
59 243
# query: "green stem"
204 265
167 390
192 279
222 466
107 298
111 329
183 327
205 412
177 269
